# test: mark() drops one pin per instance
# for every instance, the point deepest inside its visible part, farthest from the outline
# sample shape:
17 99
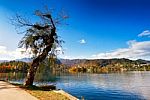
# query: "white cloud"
2 49
135 50
82 41
145 33
6 54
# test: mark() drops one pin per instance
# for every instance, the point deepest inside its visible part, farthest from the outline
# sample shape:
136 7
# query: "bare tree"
40 38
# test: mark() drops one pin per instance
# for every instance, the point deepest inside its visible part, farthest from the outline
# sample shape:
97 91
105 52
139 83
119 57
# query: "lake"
133 85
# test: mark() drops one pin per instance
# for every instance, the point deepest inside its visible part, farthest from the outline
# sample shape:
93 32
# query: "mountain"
102 62
143 61
3 61
24 60
71 62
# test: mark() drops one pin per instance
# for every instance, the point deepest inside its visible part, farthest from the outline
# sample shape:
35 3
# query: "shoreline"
36 92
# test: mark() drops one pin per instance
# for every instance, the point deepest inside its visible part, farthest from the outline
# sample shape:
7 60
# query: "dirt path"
10 92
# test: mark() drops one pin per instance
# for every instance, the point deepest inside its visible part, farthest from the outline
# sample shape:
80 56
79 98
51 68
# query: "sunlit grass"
47 95
39 93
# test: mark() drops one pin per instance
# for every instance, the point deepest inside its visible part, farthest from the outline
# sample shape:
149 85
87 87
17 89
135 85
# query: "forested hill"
100 62
81 65
103 62
106 65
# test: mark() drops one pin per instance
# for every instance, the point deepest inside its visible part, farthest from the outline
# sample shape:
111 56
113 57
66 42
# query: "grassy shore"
41 94
47 95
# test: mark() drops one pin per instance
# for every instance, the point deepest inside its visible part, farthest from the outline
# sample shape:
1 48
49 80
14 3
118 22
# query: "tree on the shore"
40 38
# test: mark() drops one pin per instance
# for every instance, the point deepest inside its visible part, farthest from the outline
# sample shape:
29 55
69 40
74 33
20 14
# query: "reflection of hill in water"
13 76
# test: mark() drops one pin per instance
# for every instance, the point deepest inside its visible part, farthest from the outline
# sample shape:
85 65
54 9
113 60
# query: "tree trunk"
39 59
30 77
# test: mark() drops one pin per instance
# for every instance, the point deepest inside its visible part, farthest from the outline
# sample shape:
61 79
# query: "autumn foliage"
14 66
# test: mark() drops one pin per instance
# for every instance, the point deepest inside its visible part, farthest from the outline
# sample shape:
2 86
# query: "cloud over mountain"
135 50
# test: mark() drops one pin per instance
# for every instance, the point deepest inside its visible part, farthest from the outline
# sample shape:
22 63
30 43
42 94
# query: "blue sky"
97 28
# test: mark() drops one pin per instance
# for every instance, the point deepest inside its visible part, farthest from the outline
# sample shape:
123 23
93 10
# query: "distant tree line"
14 66
54 65
108 65
47 66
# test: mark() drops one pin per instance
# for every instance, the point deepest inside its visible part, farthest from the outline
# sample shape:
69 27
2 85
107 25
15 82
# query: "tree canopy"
40 38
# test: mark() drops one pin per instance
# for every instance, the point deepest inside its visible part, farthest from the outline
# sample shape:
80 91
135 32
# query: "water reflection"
13 76
114 86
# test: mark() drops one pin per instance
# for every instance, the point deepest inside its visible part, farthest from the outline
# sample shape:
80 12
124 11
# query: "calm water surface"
114 86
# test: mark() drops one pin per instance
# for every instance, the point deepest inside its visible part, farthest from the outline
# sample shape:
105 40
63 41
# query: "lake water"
113 86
